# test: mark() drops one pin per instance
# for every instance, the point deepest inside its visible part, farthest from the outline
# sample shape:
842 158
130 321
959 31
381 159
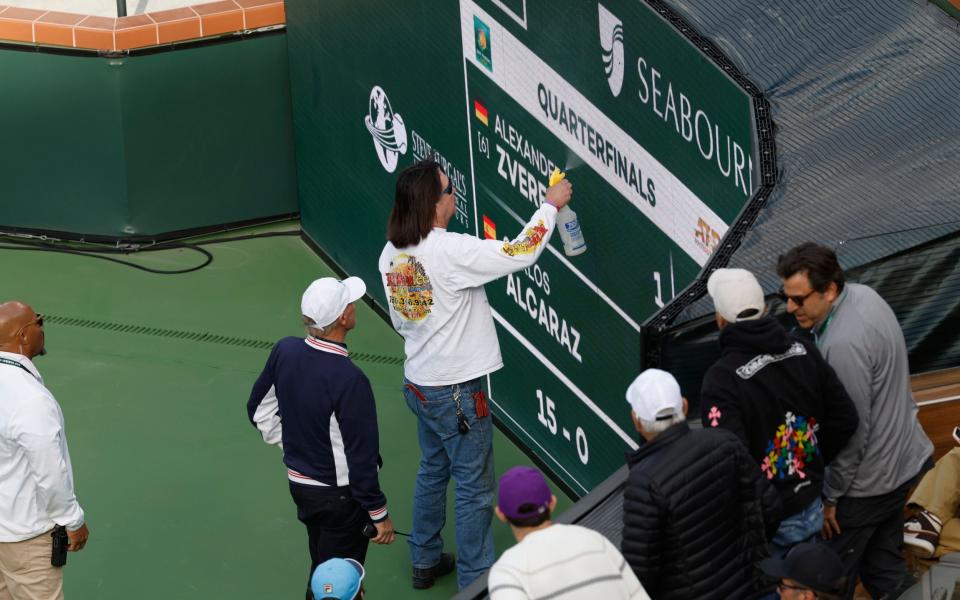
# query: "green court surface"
183 499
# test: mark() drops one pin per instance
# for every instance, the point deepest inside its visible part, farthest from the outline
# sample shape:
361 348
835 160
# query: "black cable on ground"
207 261
43 244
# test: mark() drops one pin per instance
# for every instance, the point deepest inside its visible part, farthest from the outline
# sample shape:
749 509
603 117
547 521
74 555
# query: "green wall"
950 8
148 143
651 206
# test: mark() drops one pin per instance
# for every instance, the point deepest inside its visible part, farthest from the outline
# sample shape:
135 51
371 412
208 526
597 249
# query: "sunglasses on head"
798 300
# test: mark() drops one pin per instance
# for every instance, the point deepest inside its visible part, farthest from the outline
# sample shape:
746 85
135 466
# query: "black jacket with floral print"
781 398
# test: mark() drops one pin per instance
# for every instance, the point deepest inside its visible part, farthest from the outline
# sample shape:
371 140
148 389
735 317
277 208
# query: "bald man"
36 478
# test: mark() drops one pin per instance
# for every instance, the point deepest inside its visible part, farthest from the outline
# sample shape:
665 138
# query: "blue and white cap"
337 578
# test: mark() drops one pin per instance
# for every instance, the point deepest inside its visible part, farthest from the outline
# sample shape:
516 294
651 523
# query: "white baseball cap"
734 292
655 396
326 299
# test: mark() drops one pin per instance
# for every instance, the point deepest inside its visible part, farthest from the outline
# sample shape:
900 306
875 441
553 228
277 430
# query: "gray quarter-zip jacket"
863 342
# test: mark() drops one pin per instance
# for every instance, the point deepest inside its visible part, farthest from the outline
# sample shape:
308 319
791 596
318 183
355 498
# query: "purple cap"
523 486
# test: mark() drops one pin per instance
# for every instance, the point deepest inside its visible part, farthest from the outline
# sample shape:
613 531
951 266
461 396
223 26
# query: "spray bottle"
568 226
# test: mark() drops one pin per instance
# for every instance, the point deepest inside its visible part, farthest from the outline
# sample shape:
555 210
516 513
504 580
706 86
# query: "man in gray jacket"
865 488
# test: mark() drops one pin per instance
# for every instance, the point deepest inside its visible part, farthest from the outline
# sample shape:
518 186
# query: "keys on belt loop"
463 426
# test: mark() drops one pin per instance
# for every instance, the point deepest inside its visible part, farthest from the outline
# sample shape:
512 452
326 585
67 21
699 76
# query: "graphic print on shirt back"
528 243
411 293
762 360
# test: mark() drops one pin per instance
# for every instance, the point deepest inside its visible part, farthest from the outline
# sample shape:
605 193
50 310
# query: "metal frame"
651 332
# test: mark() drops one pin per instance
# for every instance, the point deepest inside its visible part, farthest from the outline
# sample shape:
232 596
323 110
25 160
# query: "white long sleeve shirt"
36 477
438 304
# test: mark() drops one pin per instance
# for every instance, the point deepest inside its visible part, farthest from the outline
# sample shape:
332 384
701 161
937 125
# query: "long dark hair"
415 204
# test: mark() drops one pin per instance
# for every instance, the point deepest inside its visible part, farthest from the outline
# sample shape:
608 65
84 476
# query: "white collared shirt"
36 477
438 304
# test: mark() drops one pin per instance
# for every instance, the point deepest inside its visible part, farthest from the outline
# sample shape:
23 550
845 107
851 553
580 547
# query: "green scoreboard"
657 140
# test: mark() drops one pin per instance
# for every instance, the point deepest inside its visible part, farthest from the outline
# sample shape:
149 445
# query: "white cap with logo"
735 292
326 299
655 396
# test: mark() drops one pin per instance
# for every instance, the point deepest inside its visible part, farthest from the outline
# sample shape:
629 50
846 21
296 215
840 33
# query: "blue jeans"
803 526
444 451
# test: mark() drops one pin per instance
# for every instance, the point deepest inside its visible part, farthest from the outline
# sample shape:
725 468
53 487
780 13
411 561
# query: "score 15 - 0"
548 417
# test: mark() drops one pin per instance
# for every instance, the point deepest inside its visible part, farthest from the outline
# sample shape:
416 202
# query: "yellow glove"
556 177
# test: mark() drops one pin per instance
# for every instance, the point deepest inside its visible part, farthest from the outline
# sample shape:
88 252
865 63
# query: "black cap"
815 566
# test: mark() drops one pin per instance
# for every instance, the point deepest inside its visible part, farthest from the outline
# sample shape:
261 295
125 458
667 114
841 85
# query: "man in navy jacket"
313 402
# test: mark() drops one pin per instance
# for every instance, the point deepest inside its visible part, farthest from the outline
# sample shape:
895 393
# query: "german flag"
489 228
481 112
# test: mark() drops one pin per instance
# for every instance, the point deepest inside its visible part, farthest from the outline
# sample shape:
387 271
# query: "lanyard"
13 363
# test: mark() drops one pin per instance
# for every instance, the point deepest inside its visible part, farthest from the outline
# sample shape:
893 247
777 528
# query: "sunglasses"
38 322
786 586
798 300
448 189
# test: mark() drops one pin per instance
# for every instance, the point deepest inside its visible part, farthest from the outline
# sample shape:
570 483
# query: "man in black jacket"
695 508
780 397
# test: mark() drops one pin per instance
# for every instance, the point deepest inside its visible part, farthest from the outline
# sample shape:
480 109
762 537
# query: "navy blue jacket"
324 404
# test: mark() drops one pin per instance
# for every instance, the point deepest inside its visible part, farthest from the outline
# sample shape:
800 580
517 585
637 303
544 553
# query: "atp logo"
387 128
611 42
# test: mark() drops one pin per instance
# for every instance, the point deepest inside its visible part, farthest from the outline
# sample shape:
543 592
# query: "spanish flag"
489 228
481 112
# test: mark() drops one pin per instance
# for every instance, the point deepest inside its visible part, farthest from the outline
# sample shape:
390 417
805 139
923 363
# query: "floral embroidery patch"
793 446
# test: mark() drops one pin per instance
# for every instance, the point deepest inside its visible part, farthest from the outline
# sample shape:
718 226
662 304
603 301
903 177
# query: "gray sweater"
863 342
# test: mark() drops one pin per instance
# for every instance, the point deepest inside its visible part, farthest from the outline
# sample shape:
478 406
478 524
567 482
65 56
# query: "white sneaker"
921 534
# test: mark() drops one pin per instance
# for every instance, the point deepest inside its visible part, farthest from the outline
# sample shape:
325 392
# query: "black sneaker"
425 578
921 534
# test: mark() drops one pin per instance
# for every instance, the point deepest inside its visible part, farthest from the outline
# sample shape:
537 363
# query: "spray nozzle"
556 177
